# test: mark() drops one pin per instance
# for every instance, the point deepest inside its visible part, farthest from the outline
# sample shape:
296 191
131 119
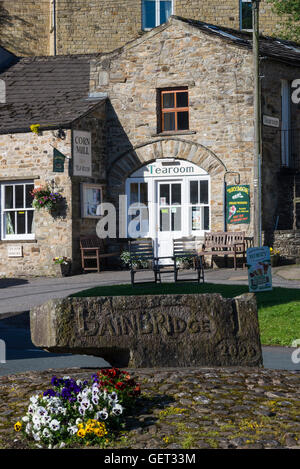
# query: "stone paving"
190 408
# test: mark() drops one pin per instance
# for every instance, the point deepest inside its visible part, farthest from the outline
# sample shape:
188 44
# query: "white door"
169 217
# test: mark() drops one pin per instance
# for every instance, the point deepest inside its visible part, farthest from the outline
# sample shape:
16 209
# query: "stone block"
152 330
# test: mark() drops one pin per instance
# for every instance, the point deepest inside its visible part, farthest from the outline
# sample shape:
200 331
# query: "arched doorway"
167 199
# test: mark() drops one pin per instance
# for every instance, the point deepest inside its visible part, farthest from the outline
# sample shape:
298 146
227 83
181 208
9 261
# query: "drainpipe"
53 27
257 128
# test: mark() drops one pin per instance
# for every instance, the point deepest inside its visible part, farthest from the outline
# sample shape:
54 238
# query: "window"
17 214
138 217
285 123
199 205
174 110
245 14
155 12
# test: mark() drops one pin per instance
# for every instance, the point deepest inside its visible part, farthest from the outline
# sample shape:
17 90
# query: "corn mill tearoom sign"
82 153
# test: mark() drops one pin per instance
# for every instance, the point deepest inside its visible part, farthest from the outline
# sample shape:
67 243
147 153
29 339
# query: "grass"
278 310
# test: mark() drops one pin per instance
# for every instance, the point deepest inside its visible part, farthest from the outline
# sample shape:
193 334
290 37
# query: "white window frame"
241 15
3 210
157 13
201 205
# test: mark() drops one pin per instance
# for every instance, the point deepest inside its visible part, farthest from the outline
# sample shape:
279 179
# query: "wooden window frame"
175 109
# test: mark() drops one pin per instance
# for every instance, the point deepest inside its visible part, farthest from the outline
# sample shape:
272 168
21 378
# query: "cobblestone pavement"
184 408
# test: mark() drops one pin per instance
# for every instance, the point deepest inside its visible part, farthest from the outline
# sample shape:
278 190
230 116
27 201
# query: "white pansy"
25 418
36 436
79 382
42 411
78 421
117 409
54 425
72 430
101 415
46 433
28 428
36 419
66 377
37 426
34 399
113 397
85 403
95 400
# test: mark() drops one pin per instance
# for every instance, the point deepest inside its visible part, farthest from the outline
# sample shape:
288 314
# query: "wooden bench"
93 248
182 248
225 243
141 253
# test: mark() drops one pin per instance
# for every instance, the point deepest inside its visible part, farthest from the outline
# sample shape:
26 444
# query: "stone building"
170 116
48 27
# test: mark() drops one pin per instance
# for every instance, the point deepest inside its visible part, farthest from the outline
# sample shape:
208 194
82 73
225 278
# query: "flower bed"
88 412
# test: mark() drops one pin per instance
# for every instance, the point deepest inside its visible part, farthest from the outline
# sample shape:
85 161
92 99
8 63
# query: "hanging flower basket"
44 197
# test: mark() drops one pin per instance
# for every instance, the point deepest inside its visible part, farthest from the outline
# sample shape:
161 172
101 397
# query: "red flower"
137 390
120 385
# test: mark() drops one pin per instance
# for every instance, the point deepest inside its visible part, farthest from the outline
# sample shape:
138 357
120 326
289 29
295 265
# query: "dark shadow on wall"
117 139
21 46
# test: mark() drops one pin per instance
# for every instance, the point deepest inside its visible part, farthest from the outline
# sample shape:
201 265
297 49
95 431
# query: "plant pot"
275 260
63 270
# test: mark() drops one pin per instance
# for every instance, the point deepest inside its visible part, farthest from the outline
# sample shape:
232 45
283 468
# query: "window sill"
175 132
17 241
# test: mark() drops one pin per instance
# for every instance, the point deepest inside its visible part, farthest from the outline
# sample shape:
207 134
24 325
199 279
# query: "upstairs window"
246 14
174 109
155 12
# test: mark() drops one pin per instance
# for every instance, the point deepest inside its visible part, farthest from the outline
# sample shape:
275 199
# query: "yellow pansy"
18 426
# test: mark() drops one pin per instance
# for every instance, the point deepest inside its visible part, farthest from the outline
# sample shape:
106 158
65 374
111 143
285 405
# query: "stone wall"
100 26
288 243
27 156
25 26
221 107
30 157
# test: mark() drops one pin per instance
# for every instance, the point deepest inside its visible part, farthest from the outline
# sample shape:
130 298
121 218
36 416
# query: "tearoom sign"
82 153
238 204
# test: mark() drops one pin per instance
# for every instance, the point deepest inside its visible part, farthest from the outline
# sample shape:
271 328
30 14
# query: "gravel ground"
183 408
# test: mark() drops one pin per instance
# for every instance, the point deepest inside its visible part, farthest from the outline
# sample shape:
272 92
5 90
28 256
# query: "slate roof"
50 91
275 48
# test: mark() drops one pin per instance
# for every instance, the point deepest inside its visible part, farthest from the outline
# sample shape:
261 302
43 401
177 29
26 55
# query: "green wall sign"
238 204
58 161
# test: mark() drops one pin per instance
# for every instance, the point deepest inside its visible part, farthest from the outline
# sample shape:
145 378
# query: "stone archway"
132 160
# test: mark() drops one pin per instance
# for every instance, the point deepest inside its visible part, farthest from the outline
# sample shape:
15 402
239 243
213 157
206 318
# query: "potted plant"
275 257
65 265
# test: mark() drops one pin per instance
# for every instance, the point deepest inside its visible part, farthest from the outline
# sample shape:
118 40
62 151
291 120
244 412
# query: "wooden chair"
93 248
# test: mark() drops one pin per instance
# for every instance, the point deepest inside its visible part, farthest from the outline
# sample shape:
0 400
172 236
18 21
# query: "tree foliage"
289 12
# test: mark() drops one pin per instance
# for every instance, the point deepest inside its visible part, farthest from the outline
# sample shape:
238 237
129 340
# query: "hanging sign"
259 269
238 204
82 153
58 161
